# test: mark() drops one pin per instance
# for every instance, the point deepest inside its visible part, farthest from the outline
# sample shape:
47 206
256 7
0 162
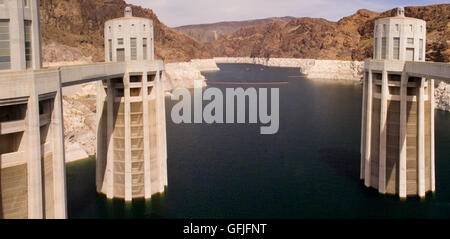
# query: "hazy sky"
184 12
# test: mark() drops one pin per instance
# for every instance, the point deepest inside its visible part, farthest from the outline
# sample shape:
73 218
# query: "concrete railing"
378 64
139 66
432 70
15 85
76 74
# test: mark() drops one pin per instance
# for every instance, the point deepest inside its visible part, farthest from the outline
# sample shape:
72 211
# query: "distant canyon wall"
350 38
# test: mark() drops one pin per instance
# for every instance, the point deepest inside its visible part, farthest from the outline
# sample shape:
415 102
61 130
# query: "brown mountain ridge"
213 31
73 29
350 38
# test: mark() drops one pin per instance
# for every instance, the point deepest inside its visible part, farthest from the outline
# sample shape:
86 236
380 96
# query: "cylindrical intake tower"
397 135
131 148
129 38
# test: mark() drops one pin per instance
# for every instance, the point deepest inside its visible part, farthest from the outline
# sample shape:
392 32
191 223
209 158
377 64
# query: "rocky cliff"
442 96
79 24
350 38
79 122
188 74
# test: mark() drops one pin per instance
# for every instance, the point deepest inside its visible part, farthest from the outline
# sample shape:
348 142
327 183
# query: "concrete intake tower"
131 131
397 137
131 148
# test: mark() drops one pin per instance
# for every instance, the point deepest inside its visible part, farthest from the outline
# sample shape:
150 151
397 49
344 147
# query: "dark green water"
310 169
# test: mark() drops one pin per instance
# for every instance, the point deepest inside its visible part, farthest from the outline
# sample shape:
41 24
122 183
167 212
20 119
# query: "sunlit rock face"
442 96
188 74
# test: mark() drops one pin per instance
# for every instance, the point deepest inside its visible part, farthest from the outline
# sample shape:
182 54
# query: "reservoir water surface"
309 169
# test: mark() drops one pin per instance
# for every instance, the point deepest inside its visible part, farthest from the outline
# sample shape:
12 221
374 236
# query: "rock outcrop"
183 75
55 52
188 74
80 122
442 96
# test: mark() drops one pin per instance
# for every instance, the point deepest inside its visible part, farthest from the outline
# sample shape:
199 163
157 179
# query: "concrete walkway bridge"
430 70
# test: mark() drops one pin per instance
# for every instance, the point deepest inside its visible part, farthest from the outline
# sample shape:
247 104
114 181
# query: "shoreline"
311 68
188 74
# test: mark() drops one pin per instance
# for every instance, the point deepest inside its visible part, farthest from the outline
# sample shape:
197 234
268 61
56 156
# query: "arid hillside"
351 38
213 31
73 30
80 23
